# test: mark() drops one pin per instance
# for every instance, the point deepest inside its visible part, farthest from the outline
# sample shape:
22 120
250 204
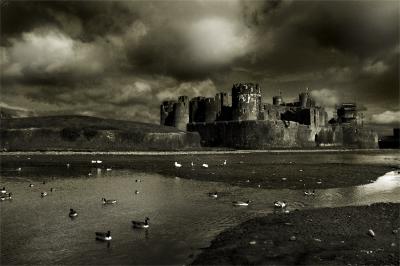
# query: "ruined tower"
166 113
246 101
181 113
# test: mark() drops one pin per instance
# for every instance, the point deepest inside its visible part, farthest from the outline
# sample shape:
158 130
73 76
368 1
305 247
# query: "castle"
242 120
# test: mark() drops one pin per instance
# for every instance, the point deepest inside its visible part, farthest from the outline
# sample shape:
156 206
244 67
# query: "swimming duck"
178 165
3 190
72 213
106 201
144 224
213 194
205 165
309 193
280 204
43 194
103 236
6 197
241 203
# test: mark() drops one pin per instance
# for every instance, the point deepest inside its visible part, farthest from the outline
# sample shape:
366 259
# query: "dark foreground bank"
334 236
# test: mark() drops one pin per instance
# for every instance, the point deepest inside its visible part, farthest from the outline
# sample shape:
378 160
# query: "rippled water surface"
183 218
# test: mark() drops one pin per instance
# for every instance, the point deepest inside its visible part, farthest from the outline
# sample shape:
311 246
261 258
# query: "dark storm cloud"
124 57
80 19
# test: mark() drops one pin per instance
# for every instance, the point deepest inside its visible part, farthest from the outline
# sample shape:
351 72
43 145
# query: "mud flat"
258 170
334 236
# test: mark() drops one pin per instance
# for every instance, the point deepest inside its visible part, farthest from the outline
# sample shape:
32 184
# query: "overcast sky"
120 59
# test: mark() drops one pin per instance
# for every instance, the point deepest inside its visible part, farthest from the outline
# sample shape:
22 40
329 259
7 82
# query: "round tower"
277 100
246 101
303 98
181 113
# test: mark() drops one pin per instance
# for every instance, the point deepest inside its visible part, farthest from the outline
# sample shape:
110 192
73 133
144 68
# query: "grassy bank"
334 236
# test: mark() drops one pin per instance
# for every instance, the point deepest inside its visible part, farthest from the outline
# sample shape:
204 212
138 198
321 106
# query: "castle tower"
211 109
303 99
181 113
196 110
166 113
246 101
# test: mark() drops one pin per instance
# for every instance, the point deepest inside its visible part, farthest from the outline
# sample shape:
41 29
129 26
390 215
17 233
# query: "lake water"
183 218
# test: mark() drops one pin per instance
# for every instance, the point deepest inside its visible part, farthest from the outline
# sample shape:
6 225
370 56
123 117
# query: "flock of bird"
5 195
106 236
277 204
103 236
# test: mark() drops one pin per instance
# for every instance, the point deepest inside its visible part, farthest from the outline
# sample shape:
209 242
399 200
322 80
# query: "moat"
183 218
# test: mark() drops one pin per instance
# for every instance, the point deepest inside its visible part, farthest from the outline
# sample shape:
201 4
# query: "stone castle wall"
280 134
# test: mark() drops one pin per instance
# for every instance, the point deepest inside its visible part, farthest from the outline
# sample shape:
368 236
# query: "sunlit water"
183 218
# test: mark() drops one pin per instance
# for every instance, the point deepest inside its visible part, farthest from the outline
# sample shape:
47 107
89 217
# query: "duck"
178 165
205 165
3 190
43 194
241 203
31 185
6 197
138 180
136 191
72 213
103 236
280 204
106 201
309 193
213 194
144 224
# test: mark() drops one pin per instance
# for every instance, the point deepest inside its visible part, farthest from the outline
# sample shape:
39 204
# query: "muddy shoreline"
328 236
263 170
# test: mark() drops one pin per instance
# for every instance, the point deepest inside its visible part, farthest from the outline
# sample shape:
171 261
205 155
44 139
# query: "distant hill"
90 133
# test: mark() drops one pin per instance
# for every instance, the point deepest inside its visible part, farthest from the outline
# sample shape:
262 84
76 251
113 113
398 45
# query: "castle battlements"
241 119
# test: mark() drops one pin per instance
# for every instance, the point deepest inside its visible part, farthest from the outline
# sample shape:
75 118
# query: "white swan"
241 203
224 163
280 204
205 165
178 165
3 190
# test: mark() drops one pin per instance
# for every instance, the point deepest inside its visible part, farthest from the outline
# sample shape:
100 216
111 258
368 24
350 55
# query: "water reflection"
183 217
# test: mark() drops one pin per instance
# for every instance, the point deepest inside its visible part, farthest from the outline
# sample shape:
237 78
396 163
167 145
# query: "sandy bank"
334 236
